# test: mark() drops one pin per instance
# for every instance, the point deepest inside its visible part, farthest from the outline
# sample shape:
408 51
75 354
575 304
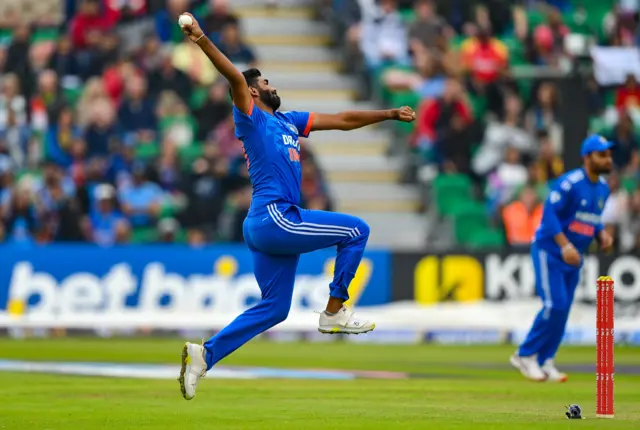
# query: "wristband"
567 246
201 36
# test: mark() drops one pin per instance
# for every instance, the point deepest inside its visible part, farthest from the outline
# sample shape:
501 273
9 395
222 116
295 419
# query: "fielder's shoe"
552 372
343 322
194 367
529 367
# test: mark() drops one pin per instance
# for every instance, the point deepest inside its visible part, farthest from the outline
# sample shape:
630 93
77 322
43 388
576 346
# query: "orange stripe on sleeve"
251 108
307 129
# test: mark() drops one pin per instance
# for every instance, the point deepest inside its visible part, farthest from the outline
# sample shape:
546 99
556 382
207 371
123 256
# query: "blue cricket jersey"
574 207
272 151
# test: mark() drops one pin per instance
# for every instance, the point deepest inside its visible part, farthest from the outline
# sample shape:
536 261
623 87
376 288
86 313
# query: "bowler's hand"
404 114
606 241
193 31
570 255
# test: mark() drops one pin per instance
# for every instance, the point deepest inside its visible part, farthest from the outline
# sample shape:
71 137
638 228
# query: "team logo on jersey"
293 129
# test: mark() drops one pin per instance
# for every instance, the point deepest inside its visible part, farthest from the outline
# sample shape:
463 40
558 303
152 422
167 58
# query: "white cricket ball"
185 20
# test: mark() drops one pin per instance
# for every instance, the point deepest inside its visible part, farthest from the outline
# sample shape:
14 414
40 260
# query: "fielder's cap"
595 143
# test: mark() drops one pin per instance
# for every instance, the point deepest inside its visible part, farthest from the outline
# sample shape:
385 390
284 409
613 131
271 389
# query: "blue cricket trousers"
276 239
556 284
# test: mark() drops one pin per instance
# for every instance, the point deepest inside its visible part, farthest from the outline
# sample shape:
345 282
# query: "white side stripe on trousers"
546 288
306 228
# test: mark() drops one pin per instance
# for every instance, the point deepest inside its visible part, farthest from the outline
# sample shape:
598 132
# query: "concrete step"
357 191
369 163
237 4
353 149
269 67
374 176
358 136
346 96
290 27
300 40
301 13
324 105
396 230
385 206
289 52
314 81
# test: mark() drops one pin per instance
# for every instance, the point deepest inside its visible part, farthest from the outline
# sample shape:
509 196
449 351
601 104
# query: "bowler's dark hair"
251 76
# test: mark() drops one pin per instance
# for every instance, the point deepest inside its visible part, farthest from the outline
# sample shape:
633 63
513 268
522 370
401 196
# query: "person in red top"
485 60
629 94
484 57
87 23
434 115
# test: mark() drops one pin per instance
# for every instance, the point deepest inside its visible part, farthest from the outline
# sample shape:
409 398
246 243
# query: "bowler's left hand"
606 241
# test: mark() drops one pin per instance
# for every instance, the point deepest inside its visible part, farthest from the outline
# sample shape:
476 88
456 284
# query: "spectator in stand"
101 130
131 28
87 25
167 229
17 60
11 99
614 213
47 101
627 144
64 61
628 95
428 80
166 20
177 126
499 135
549 163
453 148
543 115
384 37
232 45
142 201
168 78
16 138
152 54
106 226
216 19
522 217
313 189
428 28
435 116
485 60
60 137
136 114
510 176
94 92
20 222
215 110
225 140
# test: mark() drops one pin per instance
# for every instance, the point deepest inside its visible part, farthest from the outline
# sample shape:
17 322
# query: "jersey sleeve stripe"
307 129
251 108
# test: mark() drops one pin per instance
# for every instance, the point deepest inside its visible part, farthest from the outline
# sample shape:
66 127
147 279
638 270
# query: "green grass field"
454 388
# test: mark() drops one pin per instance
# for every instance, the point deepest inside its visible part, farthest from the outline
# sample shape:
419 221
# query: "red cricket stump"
604 347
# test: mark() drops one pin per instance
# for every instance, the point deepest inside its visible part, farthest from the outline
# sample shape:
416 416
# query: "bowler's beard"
270 99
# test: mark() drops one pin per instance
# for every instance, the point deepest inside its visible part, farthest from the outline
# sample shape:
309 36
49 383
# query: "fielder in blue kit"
276 229
570 223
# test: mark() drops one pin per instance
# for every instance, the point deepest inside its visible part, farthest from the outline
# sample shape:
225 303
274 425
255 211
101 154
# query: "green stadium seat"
147 151
45 35
489 238
198 97
407 15
468 216
449 190
143 235
188 154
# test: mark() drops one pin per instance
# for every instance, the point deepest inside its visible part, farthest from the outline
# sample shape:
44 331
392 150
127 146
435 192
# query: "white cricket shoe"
194 367
529 367
344 322
552 372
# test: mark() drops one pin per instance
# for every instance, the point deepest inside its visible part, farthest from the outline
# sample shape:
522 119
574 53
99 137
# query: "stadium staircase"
293 50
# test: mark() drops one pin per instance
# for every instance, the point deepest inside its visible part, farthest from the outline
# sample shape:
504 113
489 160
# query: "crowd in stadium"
114 129
454 61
